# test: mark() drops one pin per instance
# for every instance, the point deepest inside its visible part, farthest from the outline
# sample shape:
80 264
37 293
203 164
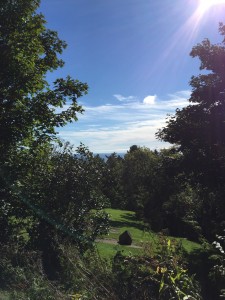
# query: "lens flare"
207 4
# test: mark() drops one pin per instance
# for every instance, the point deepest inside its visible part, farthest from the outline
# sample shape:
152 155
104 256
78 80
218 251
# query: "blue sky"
134 55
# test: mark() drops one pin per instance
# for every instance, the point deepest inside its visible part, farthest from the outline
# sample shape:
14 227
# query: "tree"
164 183
198 129
28 115
63 196
138 175
112 181
28 52
56 199
30 112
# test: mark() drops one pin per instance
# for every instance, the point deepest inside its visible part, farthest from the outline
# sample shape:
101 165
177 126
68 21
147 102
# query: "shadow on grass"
128 220
119 224
130 217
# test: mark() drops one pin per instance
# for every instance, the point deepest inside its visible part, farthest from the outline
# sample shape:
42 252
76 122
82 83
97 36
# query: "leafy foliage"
57 198
45 195
28 51
138 174
198 130
161 277
112 181
217 272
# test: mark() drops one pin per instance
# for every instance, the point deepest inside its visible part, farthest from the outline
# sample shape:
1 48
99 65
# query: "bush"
88 276
161 277
21 273
217 272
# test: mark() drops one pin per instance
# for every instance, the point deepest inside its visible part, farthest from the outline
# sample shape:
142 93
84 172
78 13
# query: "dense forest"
53 195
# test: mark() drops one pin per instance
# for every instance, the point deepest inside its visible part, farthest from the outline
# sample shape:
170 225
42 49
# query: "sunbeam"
204 5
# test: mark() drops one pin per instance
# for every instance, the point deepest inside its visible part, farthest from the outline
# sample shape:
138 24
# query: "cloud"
118 140
179 99
108 128
150 100
122 98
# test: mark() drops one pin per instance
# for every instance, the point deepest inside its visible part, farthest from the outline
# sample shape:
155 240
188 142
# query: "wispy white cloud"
124 98
118 140
109 128
179 99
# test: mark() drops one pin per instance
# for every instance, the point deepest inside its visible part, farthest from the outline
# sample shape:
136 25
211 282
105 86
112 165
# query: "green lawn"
143 238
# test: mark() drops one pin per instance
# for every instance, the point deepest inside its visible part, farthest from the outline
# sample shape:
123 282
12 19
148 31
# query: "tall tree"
198 129
47 197
112 181
28 52
138 175
29 108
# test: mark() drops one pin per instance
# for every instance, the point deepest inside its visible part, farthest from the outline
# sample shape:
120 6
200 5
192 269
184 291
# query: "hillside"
143 238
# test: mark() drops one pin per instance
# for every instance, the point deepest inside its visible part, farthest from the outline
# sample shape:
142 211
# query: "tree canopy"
30 109
43 192
198 129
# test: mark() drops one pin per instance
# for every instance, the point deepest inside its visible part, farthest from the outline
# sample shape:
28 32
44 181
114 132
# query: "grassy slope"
143 238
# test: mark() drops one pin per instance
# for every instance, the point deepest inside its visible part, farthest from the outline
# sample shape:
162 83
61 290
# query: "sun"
207 4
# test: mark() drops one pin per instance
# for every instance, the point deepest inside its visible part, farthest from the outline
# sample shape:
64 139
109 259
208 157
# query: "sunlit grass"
108 251
144 240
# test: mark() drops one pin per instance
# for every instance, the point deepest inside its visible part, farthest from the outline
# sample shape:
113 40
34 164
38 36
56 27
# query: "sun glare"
207 4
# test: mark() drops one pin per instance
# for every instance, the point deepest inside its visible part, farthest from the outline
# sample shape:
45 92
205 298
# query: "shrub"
164 276
217 272
22 274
